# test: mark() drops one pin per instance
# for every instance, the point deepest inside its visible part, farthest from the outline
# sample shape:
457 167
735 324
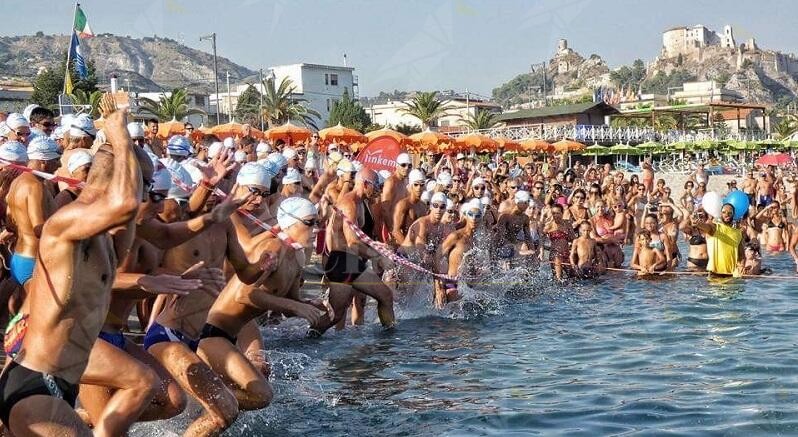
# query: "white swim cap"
431 185
42 148
521 196
438 198
240 156
477 181
444 179
178 145
14 151
178 174
15 120
193 171
252 173
310 164
262 149
58 133
278 159
78 159
345 166
214 149
82 126
415 176
229 143
403 158
485 201
449 203
473 204
289 153
66 120
29 109
293 209
292 176
357 165
135 129
426 196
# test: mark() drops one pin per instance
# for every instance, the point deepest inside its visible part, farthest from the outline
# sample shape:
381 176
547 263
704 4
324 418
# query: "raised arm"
168 235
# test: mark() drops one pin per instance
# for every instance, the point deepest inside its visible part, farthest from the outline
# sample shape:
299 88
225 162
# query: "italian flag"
82 24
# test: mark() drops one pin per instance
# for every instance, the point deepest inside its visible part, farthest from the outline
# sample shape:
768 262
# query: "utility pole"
260 111
545 78
229 102
212 37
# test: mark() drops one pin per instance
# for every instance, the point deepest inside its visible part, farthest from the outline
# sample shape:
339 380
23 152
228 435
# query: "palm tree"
480 119
92 100
426 107
786 126
280 106
173 106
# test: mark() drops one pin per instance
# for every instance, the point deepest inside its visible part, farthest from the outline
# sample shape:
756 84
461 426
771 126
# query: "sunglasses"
418 184
347 155
538 187
311 223
156 197
47 124
258 192
22 134
438 205
473 214
479 188
451 211
405 165
512 187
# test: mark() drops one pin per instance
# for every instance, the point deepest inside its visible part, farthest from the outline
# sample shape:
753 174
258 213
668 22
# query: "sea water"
680 355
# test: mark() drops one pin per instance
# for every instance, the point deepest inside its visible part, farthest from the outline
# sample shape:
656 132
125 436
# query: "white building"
687 40
194 101
391 113
705 92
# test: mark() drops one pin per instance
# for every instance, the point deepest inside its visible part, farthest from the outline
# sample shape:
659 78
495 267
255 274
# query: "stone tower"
727 40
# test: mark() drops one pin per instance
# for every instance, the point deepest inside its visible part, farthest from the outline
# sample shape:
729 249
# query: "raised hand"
107 105
218 167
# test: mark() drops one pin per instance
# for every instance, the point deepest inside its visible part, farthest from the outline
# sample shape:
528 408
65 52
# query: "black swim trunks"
19 382
210 331
343 267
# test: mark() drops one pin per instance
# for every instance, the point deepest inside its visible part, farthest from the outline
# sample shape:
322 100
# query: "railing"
603 134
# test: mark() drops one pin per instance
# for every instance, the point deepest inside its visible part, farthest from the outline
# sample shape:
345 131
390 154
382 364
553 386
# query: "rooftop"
318 66
551 111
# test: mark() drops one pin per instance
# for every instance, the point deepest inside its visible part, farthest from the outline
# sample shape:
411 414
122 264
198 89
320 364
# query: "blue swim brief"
160 334
115 338
22 268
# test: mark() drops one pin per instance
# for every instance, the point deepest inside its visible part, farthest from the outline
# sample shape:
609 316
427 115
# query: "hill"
149 64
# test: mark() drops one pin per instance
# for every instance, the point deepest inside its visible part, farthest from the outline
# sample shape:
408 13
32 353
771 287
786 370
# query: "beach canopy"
478 142
398 136
429 140
623 149
596 150
508 144
650 146
233 129
568 146
536 145
172 127
341 134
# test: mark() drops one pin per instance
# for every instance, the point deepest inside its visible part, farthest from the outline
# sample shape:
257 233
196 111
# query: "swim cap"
78 159
66 121
415 176
254 174
292 176
471 205
15 120
29 109
403 158
178 145
357 165
293 209
229 143
521 196
449 203
178 174
345 166
278 159
438 198
42 148
426 196
193 171
82 126
214 149
444 179
484 201
332 147
310 164
477 181
289 153
262 149
14 151
58 133
240 156
136 130
431 185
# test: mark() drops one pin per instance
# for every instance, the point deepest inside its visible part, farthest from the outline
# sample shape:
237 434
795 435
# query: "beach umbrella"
233 129
623 149
398 136
568 146
706 145
790 144
650 147
778 159
480 143
341 134
680 145
429 140
289 133
508 145
170 128
536 145
596 150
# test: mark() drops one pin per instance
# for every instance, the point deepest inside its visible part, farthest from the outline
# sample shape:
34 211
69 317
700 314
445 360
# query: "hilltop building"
688 40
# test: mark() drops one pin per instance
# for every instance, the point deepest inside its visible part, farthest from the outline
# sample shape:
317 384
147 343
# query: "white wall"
314 84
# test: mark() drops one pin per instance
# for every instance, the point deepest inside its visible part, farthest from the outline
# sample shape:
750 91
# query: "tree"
50 83
627 77
719 125
279 104
407 129
172 106
81 97
349 113
426 107
248 106
480 119
786 126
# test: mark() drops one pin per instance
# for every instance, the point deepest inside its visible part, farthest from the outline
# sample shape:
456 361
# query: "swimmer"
585 257
752 264
454 248
394 190
512 230
647 259
410 208
559 233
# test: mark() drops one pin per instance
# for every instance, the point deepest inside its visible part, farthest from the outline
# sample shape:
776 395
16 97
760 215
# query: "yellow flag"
67 83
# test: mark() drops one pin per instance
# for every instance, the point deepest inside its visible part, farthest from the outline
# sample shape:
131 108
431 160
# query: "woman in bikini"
559 233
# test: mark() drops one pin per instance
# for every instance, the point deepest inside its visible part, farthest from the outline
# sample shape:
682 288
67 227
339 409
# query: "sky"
472 45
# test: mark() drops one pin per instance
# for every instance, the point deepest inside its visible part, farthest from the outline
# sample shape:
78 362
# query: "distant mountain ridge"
147 64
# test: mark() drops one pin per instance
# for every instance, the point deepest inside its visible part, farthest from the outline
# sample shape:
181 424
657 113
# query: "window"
334 79
328 104
199 100
326 79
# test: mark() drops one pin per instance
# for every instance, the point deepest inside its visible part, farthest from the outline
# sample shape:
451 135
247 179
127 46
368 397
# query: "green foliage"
426 107
786 126
248 106
480 119
660 83
520 88
407 129
280 105
722 78
171 107
349 113
581 99
92 99
50 83
629 76
719 124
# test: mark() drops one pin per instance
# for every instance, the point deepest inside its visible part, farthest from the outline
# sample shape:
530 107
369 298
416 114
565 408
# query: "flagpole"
69 46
